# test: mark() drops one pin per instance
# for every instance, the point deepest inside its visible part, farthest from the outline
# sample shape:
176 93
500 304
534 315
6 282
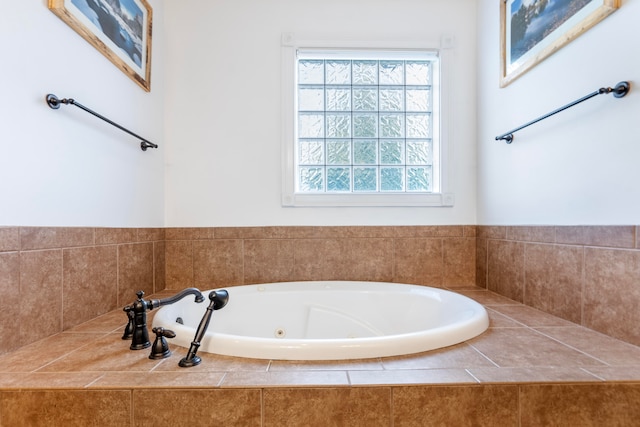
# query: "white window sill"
367 200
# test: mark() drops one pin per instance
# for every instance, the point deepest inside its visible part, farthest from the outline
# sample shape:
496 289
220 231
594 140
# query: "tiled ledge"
522 345
529 366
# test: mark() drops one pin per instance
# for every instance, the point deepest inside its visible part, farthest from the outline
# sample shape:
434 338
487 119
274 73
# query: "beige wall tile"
455 406
151 234
230 233
571 235
459 257
10 302
491 232
179 264
470 230
617 236
179 233
159 266
109 236
553 279
354 407
542 234
66 408
135 271
604 236
9 239
580 405
612 292
55 237
41 287
482 252
418 261
207 407
505 268
268 260
425 231
217 263
344 259
89 274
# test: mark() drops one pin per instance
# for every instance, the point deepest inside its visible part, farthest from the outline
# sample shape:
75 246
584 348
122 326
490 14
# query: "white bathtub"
327 320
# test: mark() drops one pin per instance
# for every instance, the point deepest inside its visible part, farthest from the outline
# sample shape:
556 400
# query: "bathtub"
330 320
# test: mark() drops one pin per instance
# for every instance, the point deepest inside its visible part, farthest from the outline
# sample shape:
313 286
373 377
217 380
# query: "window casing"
363 126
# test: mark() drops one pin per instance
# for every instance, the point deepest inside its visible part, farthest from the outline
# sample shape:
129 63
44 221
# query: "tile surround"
54 278
587 275
569 375
212 257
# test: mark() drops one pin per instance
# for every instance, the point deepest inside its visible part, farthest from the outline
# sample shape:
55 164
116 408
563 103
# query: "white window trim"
445 197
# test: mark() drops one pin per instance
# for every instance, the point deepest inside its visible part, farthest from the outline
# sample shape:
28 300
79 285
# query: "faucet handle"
162 332
140 294
160 347
128 330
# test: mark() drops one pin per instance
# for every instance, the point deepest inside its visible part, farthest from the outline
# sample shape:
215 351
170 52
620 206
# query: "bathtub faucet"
136 328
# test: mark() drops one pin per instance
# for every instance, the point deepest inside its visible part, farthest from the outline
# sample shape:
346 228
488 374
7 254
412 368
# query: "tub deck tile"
459 356
411 376
602 347
148 380
327 365
286 379
210 363
522 345
49 380
538 374
615 373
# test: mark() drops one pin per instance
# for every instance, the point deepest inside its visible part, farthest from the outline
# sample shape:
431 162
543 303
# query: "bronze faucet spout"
155 303
136 329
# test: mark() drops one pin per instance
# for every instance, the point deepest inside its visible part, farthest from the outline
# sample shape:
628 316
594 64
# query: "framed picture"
119 29
531 30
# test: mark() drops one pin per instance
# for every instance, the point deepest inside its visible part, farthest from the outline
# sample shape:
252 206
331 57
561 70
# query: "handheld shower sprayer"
218 300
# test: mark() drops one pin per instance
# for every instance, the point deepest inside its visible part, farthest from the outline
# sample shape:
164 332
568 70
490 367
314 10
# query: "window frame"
442 195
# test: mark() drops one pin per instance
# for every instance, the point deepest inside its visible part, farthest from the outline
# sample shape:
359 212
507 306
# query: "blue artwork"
533 20
121 21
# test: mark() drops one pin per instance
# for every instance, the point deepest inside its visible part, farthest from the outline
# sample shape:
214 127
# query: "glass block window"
365 122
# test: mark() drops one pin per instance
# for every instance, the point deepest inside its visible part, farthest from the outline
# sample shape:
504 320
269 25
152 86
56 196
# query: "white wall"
579 166
65 167
223 111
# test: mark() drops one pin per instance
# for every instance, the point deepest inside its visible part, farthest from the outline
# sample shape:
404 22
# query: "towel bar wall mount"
54 102
620 90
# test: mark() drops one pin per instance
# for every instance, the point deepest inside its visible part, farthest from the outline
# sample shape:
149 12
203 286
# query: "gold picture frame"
532 30
119 29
